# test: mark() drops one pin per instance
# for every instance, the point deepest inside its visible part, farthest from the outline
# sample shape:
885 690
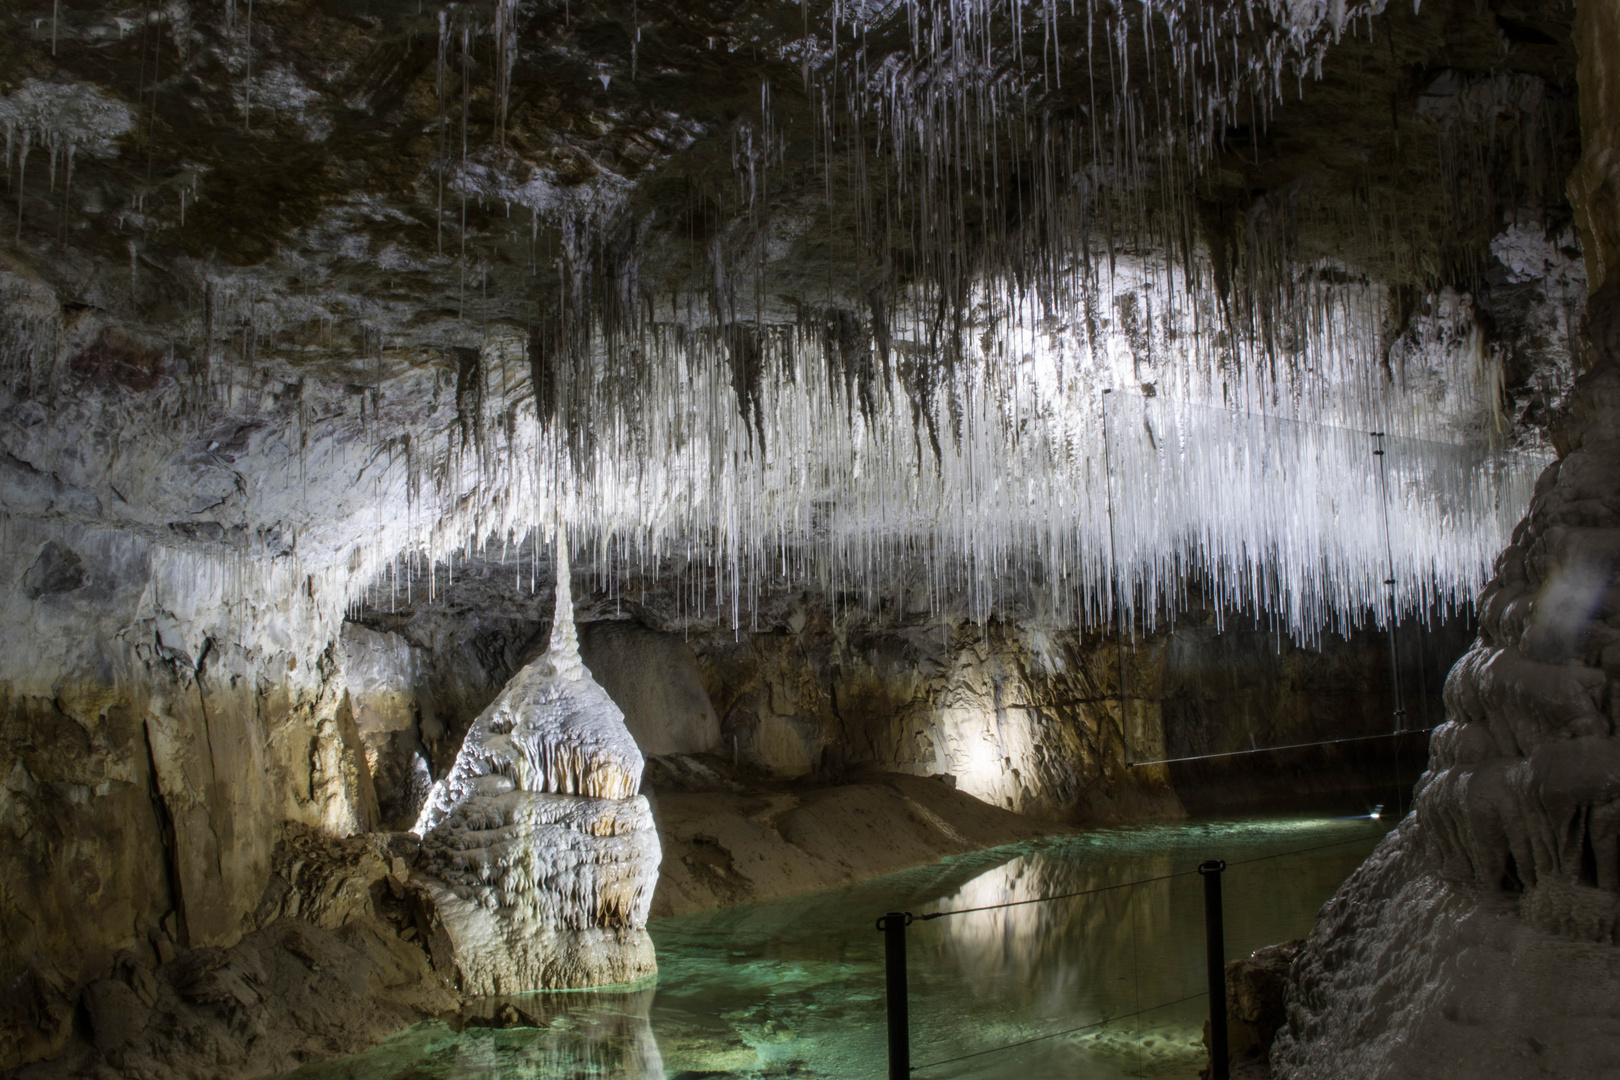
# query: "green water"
794 988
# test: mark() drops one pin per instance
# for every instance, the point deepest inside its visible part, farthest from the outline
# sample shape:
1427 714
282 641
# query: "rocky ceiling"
336 280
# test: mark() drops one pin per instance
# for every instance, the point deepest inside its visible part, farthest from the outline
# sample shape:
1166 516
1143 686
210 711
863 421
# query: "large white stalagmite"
537 849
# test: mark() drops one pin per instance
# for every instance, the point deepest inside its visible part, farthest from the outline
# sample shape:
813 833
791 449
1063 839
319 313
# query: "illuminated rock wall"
157 728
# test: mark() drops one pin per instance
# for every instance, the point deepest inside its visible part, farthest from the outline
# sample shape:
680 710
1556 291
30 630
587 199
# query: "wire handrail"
1371 834
1055 896
893 926
1287 746
1065 1031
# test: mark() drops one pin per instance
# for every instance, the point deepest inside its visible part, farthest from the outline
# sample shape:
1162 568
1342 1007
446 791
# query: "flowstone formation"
1523 791
537 850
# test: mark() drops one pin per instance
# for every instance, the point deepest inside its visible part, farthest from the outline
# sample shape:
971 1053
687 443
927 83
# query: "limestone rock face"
338 956
538 852
654 678
382 673
1410 974
1479 938
157 730
1022 717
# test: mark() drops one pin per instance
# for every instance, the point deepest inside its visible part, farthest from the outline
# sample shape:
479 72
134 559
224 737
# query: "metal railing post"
1215 946
894 926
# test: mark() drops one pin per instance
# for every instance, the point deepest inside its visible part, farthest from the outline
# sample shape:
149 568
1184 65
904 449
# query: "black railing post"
1215 945
894 926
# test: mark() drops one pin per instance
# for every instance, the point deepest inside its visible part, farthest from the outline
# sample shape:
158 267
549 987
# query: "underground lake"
794 988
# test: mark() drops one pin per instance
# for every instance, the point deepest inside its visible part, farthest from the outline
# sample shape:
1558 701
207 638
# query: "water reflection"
524 1037
795 988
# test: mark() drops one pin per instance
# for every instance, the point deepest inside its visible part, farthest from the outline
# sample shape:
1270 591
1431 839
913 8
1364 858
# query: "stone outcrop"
393 717
1255 1009
338 955
537 849
1410 974
148 758
1451 950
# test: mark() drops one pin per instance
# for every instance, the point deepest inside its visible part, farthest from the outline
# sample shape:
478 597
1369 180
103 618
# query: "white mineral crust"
536 847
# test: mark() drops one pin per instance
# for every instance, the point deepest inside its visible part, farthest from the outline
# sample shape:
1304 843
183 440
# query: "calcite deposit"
956 406
1479 939
537 849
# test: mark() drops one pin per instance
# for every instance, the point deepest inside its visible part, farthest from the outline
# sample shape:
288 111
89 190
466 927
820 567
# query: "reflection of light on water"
1130 941
1005 940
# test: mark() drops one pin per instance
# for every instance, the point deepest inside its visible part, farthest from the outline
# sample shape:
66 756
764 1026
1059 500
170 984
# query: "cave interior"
479 479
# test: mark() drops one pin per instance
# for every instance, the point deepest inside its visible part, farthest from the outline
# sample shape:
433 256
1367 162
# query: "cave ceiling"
294 238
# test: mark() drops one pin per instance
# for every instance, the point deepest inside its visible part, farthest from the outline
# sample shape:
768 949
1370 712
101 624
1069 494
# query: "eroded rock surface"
1479 939
1523 793
654 678
338 955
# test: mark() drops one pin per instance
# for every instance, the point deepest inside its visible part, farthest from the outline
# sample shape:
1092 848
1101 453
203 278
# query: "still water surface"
794 988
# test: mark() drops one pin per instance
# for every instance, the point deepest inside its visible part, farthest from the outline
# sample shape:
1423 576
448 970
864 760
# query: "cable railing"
893 925
1380 736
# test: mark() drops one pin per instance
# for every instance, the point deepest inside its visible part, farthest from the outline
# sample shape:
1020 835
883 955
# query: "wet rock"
284 994
1410 973
1479 937
1522 795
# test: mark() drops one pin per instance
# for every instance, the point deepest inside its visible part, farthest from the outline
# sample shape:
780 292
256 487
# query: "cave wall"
1480 938
1234 683
1027 717
1020 715
1594 188
207 421
156 732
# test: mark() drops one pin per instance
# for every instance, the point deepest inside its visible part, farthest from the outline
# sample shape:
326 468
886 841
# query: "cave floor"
794 988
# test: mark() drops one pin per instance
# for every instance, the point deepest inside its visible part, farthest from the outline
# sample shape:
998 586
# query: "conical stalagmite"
537 849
